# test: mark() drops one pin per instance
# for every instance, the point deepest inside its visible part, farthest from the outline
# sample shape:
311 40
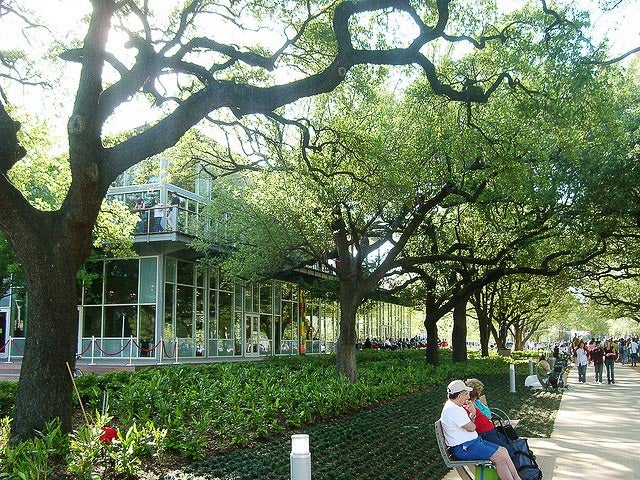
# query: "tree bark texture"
45 386
349 303
431 326
459 335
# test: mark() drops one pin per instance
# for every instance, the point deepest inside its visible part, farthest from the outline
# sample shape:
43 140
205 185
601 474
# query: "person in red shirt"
484 426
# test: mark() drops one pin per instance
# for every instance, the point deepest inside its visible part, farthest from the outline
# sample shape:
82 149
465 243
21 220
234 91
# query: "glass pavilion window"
119 303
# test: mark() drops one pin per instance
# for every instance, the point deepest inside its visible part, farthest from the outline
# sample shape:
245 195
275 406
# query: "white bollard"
531 366
512 378
300 457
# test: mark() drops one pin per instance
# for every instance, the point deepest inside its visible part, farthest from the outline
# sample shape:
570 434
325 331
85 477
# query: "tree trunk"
346 348
459 335
45 386
484 321
350 300
431 326
484 324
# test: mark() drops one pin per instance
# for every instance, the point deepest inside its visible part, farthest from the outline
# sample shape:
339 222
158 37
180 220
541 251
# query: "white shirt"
581 357
633 347
453 417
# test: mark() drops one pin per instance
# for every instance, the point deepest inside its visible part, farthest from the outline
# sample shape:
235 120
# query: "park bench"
465 468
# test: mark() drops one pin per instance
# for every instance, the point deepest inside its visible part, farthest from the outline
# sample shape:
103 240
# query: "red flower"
108 435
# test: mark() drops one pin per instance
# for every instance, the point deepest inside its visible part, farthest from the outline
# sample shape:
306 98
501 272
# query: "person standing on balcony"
140 208
172 213
158 213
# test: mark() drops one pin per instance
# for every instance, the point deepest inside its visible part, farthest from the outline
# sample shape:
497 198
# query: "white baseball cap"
457 386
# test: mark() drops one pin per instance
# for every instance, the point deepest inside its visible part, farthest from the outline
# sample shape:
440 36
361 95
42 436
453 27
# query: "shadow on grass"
394 440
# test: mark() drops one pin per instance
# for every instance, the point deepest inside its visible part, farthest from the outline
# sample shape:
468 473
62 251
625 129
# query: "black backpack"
524 460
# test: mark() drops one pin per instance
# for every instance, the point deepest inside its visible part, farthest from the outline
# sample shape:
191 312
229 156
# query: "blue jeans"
598 368
609 363
493 436
582 373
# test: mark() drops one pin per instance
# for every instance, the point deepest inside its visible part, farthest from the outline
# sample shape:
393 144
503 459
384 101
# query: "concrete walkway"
596 433
597 430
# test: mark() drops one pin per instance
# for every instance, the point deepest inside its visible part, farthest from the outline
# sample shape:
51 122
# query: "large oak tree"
199 62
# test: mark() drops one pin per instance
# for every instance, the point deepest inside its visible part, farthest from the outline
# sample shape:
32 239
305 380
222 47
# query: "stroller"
553 378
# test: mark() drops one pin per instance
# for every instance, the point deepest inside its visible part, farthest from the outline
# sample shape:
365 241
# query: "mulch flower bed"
394 440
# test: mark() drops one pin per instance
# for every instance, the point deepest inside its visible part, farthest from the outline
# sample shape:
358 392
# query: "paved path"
596 434
597 430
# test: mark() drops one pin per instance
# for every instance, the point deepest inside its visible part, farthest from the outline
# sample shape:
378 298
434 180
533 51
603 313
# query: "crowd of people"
603 355
157 217
397 344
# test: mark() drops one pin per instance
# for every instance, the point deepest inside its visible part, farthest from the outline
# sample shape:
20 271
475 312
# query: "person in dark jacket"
597 357
610 355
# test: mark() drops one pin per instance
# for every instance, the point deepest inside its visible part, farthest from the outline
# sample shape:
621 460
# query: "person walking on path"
633 351
582 360
597 357
623 351
610 355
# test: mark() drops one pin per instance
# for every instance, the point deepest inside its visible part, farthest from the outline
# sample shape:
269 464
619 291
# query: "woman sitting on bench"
461 437
484 426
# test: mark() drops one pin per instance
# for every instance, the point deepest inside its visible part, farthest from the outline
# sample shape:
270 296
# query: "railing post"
130 351
161 345
93 350
300 457
9 349
175 347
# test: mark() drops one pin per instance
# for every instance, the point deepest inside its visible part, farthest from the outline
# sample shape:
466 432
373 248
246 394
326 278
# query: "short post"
93 350
530 366
130 351
512 378
300 457
8 345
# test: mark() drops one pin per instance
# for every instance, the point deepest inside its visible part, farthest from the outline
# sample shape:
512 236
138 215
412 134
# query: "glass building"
163 306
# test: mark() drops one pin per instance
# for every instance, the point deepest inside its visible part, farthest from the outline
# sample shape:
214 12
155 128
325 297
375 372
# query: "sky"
620 26
615 25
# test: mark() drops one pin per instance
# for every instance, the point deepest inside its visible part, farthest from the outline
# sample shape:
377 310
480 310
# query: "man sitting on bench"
462 439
